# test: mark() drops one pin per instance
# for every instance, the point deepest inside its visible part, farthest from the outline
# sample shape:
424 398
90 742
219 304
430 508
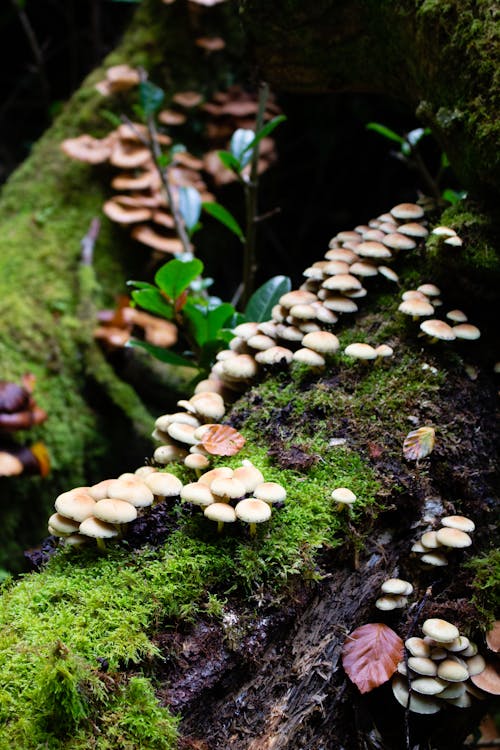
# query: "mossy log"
48 300
440 58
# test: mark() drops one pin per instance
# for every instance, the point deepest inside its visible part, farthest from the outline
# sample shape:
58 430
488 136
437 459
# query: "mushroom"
99 530
363 352
197 493
438 330
222 513
248 475
270 492
253 511
343 497
163 484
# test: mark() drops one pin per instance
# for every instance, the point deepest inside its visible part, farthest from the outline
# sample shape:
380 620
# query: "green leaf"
176 275
240 144
266 130
386 132
164 160
265 297
140 284
445 162
150 97
164 355
406 149
225 217
189 207
415 136
208 352
453 196
205 323
229 161
153 301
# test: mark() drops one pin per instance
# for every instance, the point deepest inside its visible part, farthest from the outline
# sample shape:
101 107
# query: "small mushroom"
222 513
253 511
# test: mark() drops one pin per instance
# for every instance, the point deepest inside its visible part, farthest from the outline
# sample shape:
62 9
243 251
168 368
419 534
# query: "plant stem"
163 172
420 167
251 192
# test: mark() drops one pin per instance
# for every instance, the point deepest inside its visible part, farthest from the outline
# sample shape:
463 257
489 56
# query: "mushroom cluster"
395 593
453 534
116 327
440 668
103 510
228 495
19 411
448 235
422 303
181 432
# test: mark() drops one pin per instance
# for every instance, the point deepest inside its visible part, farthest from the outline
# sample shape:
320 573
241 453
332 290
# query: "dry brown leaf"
419 443
222 440
370 655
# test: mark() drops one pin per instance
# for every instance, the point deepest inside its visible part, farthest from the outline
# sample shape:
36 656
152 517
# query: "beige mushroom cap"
148 236
249 476
475 665
134 491
428 685
270 492
418 647
260 342
459 522
342 282
457 316
309 357
88 149
253 510
97 529
75 504
100 490
221 472
384 350
452 671
276 355
220 512
397 241
338 303
489 679
242 367
165 420
322 342
208 406
297 297
466 331
407 211
183 433
417 307
397 586
440 630
438 329
164 484
166 454
229 488
196 461
450 537
373 249
61 526
388 273
430 290
436 559
416 703
344 496
360 351
413 229
387 603
423 666
115 511
197 494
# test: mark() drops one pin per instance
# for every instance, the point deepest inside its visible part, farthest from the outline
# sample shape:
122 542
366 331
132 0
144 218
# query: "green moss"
486 585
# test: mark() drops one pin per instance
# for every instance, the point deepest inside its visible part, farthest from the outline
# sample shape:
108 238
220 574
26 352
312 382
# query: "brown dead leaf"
370 655
222 440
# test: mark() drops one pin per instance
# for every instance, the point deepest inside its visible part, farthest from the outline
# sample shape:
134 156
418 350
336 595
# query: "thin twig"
88 242
251 188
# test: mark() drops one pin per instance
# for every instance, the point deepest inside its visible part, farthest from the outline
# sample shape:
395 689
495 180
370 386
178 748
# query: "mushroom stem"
220 527
253 529
101 544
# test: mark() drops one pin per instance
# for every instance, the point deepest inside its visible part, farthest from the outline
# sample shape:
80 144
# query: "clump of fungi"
433 546
19 411
395 593
442 667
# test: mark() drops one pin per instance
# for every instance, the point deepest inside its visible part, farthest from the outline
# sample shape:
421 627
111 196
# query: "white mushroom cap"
397 586
373 249
75 504
115 511
309 357
338 303
454 690
430 290
274 356
253 510
242 367
260 342
454 241
143 471
220 512
444 232
344 496
248 475
430 540
342 282
100 490
407 211
397 241
183 433
221 472
97 529
197 494
466 331
428 685
416 307
134 491
246 330
165 420
452 671
297 297
61 526
475 665
229 488
270 492
457 316
449 537
384 350
360 351
164 484
459 522
438 329
422 665
440 630
419 704
196 461
418 647
166 454
413 229
435 559
322 342
387 603
208 406
388 273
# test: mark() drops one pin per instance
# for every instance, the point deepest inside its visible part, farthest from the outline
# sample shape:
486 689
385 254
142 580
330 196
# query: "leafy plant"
410 155
205 322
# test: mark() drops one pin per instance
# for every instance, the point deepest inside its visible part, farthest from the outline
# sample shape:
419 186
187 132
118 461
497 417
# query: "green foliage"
486 585
225 217
150 98
174 277
262 301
